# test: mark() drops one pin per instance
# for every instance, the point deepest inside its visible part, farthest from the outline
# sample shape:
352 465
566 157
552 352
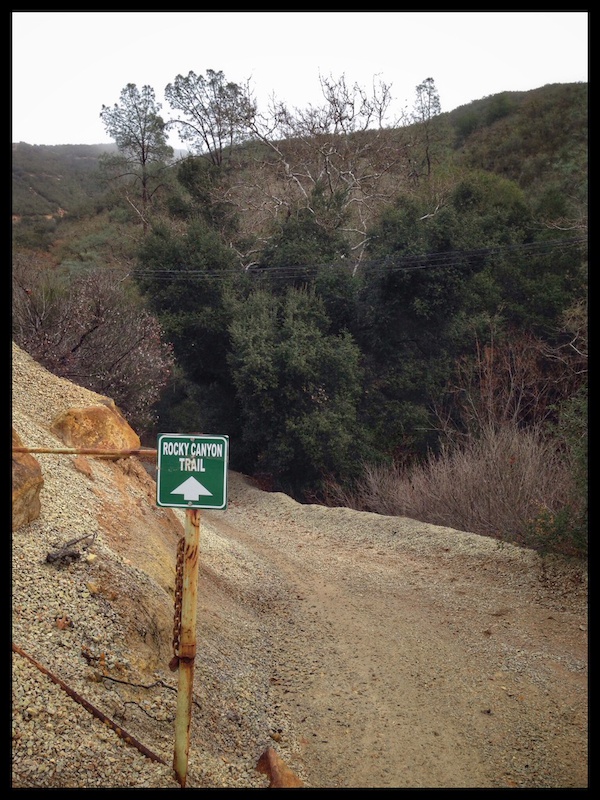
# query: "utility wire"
391 263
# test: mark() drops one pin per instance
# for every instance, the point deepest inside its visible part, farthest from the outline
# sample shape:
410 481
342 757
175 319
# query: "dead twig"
66 554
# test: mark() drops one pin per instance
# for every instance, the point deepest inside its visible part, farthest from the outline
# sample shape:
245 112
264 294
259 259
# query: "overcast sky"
67 64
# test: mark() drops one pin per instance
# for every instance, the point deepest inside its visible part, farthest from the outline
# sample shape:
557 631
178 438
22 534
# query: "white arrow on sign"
192 489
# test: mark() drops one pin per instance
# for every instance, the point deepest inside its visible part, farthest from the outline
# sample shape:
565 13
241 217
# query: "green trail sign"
192 471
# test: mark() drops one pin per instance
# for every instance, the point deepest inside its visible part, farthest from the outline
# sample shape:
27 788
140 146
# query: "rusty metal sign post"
192 474
187 643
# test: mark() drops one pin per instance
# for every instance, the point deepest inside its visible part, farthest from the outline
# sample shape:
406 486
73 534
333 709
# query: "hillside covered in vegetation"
384 316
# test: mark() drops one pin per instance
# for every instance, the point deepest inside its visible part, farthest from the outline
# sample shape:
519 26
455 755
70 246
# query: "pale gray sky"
67 64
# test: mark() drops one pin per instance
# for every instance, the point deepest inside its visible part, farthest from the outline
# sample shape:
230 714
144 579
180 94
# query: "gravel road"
415 656
368 651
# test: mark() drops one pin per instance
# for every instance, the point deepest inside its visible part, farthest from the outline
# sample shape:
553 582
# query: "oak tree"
214 113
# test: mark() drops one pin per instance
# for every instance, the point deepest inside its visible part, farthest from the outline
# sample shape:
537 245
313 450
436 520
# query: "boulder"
277 771
101 426
27 482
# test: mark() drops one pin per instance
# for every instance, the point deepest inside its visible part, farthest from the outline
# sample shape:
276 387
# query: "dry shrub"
495 485
504 470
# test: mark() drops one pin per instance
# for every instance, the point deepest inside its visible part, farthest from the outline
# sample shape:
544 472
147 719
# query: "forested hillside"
537 139
53 181
385 316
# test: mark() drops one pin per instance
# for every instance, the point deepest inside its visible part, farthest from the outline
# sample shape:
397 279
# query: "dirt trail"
408 655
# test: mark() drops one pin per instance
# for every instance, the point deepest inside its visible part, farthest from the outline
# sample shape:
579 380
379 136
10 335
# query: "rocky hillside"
102 622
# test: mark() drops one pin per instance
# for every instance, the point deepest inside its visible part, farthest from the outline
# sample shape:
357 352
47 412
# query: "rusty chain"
174 663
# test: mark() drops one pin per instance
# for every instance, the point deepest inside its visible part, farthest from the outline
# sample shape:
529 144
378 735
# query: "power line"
390 263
